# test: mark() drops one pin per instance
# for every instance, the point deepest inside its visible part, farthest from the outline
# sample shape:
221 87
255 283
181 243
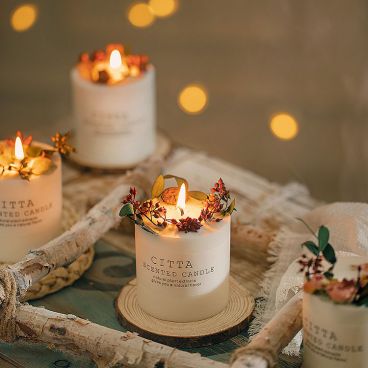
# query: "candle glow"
19 152
111 65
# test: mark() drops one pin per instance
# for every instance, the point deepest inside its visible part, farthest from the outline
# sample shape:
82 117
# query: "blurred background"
279 87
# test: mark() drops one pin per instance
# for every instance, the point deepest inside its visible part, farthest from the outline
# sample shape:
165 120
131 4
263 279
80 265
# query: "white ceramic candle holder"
30 211
335 335
114 125
185 277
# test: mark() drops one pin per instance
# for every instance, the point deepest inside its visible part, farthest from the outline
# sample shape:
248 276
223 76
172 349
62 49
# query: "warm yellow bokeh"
23 17
141 15
163 8
284 126
193 99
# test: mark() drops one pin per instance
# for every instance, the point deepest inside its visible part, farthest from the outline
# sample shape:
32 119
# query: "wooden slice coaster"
228 323
163 148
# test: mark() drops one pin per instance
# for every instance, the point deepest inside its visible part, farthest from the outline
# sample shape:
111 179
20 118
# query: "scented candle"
182 252
30 197
114 108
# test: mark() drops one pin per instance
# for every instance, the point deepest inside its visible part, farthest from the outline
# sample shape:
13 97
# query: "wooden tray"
230 322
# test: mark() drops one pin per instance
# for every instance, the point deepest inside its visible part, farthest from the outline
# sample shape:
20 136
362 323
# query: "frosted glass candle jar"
114 125
184 277
30 211
335 335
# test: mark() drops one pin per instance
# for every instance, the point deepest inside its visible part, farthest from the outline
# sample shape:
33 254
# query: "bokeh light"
163 8
193 99
140 15
284 126
23 17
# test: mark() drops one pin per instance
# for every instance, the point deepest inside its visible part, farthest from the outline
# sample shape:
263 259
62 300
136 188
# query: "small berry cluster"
61 143
311 266
187 225
216 202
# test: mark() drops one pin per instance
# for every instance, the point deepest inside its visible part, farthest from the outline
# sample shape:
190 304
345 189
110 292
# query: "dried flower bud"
84 57
98 55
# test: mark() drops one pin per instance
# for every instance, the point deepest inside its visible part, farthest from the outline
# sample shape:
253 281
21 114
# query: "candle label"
23 212
181 272
329 343
118 122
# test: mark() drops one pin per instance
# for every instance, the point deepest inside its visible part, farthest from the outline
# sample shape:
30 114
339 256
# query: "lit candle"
114 108
30 197
182 253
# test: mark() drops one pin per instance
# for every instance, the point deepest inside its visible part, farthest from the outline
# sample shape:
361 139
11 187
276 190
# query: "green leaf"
364 292
178 179
231 208
329 254
329 275
158 187
126 210
312 247
323 237
201 196
363 302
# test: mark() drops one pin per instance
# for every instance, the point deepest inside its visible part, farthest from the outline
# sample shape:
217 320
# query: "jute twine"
8 307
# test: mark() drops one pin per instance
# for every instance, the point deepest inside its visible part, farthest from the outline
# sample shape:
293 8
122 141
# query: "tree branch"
263 350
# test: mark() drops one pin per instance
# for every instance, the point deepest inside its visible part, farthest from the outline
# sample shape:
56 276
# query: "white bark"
263 350
107 347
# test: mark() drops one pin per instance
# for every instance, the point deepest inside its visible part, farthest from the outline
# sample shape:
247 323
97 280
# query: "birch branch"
107 347
263 350
66 248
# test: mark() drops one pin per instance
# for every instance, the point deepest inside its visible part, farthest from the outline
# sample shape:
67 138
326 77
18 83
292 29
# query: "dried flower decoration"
96 66
61 143
152 216
319 276
37 159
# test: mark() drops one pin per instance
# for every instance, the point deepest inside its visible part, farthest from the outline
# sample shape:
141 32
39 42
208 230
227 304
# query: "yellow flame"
181 198
115 59
19 153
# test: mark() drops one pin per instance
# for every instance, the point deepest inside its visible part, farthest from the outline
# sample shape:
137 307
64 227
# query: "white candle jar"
30 211
184 277
335 336
114 125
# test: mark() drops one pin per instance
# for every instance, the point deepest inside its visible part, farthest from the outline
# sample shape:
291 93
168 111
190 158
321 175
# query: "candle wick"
181 211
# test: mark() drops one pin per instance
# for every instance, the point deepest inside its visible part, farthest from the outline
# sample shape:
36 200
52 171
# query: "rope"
8 307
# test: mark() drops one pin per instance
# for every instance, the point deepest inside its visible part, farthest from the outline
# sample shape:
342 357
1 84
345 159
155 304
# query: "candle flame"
19 153
181 198
115 59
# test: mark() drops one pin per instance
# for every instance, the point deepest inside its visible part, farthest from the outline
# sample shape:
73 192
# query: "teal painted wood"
92 297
